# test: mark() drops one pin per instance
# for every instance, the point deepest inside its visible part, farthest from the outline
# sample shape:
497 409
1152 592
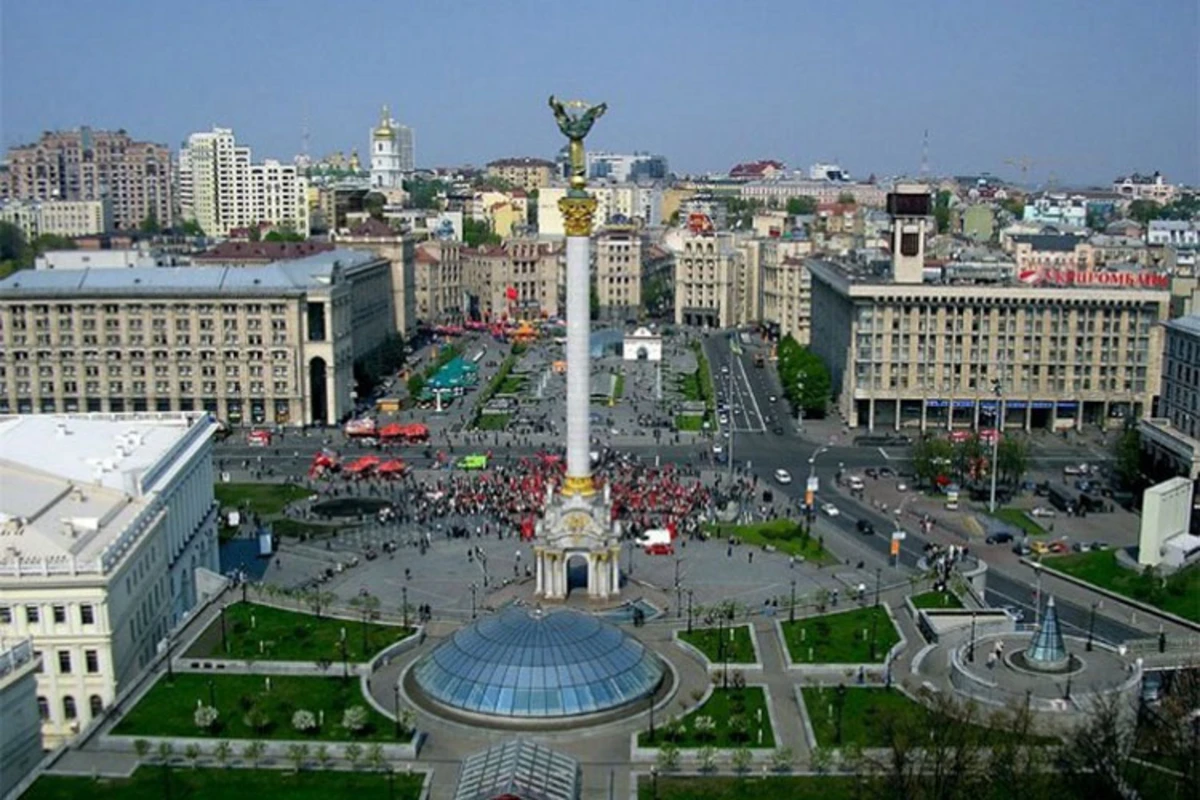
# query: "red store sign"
1070 277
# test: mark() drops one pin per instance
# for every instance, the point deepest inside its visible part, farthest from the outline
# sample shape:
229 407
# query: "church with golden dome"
391 153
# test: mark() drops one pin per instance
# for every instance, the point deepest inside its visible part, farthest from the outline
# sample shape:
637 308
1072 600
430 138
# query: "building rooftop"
228 252
1049 242
75 485
1189 324
283 277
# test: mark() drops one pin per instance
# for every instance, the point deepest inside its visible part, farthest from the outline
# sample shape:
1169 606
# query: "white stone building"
391 153
69 218
108 521
21 730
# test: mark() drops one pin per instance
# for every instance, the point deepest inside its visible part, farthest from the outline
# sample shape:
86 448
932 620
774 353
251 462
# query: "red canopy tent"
363 464
392 467
392 430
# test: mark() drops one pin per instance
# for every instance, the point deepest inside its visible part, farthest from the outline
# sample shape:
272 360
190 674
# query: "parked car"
1058 547
999 537
1022 549
783 476
901 487
871 472
771 398
777 430
1043 511
1039 548
865 527
886 472
830 509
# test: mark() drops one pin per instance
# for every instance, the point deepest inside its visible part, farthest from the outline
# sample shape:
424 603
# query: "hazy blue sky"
1088 90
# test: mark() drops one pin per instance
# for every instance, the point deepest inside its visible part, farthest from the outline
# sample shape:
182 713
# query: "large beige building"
533 270
438 281
21 733
617 269
787 295
85 164
69 218
400 251
222 190
110 541
778 192
272 343
710 281
525 173
620 203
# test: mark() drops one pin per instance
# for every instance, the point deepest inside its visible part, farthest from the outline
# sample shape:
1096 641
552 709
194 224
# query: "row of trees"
1186 207
934 456
805 378
253 752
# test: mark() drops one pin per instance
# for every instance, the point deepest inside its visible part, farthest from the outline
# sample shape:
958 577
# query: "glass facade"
521 663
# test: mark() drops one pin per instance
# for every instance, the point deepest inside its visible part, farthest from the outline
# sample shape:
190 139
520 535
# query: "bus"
1063 497
475 461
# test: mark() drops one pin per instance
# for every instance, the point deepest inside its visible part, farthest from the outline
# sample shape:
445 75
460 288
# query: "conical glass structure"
1048 652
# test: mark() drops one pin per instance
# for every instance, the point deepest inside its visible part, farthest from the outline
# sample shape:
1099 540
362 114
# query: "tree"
354 719
941 211
741 758
141 747
424 194
222 752
354 754
298 754
166 751
668 757
284 233
1014 206
782 759
367 605
189 227
150 224
593 301
1127 452
1144 211
478 232
318 600
707 756
373 204
256 719
846 198
1012 459
822 760
253 752
323 755
967 454
205 717
304 720
930 455
801 205
416 385
805 378
375 757
192 753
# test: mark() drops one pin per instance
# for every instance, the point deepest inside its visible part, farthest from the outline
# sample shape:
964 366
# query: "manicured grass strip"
936 600
785 535
619 386
261 498
725 707
169 708
150 783
689 422
839 638
1177 594
753 787
291 636
492 422
1019 519
722 645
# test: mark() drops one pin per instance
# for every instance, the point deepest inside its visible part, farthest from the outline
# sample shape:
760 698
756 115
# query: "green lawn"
150 783
492 422
689 387
511 385
838 638
264 499
619 386
1019 519
294 527
1177 594
936 600
785 535
689 422
752 787
290 636
737 650
168 708
721 706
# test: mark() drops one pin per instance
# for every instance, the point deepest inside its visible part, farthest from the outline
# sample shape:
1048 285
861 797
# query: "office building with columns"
272 343
1171 438
110 542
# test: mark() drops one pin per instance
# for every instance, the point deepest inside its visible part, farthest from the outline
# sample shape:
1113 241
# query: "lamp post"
729 394
812 473
1037 594
792 605
689 594
170 668
839 700
1091 627
345 660
996 388
474 589
654 780
404 606
874 627
652 734
878 581
971 650
396 706
721 650
224 642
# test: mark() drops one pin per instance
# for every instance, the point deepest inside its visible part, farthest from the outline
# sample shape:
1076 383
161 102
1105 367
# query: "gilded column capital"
577 215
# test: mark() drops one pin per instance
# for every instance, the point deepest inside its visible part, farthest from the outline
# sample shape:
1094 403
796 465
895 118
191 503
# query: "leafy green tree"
593 301
284 233
222 751
354 754
253 752
189 227
1127 452
375 757
846 198
367 606
742 759
1014 206
141 747
298 754
805 378
966 453
416 385
941 211
192 753
930 455
1144 210
373 204
1012 459
801 205
478 232
424 193
150 224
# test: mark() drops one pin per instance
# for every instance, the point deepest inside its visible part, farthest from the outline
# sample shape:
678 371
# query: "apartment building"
438 281
254 344
531 269
1050 251
110 534
69 218
1173 233
786 293
709 280
222 190
1172 436
525 173
778 192
21 733
626 167
617 252
620 204
399 249
1146 187
133 177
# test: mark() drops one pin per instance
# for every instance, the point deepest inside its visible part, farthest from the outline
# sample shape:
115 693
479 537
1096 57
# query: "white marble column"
614 560
578 357
537 557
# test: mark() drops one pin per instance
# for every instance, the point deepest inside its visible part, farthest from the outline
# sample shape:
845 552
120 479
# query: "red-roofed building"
757 170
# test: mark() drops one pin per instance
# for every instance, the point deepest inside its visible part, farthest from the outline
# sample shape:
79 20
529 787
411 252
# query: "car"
901 487
1014 613
999 537
1058 547
1081 547
1039 548
771 398
871 472
724 369
1099 545
777 430
717 449
1043 511
865 527
830 509
783 476
886 472
723 419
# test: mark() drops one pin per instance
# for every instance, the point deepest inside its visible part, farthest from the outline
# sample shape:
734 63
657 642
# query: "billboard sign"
1047 276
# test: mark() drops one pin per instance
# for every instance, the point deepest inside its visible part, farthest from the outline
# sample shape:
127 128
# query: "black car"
871 472
886 472
999 537
865 527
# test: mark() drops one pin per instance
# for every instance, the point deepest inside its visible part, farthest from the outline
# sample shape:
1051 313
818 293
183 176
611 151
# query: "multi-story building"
391 153
1172 436
69 218
21 733
438 281
525 173
906 351
778 192
618 272
1057 209
110 534
786 293
1146 187
626 168
249 344
621 204
1037 252
1108 249
1173 233
757 170
708 280
134 177
222 190
399 249
245 254
532 270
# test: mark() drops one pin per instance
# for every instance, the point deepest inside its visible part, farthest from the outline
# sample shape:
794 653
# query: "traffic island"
845 646
723 648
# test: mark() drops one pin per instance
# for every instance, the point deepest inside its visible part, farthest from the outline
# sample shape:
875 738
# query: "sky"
1086 90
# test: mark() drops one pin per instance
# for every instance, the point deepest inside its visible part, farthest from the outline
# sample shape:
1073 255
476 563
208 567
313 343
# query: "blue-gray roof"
1050 242
283 277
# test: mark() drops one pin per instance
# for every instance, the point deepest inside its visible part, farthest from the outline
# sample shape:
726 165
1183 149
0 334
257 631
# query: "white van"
855 483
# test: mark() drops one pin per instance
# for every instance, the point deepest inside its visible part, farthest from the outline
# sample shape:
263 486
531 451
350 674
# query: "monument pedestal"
578 526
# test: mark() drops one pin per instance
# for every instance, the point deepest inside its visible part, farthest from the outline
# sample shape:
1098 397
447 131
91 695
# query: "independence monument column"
578 522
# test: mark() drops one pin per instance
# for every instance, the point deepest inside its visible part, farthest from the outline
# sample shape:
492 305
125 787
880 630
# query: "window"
64 662
5 615
31 615
69 707
92 660
43 708
60 614
87 614
95 705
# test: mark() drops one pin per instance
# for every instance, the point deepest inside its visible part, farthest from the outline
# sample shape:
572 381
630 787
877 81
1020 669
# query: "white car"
783 476
717 450
1043 511
771 398
901 487
830 509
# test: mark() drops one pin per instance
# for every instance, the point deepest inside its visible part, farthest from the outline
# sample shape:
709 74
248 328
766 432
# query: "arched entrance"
642 354
577 572
317 391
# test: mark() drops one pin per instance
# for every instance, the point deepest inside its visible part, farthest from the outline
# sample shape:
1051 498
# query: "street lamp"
839 700
212 694
654 780
404 607
1037 594
170 668
474 589
689 594
971 650
396 707
996 424
224 642
878 581
792 605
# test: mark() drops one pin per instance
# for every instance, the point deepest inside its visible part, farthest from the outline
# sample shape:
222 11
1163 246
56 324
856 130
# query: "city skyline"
834 88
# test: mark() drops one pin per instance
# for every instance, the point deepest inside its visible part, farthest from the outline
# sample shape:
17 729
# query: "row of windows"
58 612
95 705
18 310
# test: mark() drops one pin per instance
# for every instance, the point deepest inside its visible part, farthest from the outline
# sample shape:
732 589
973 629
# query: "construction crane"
1023 163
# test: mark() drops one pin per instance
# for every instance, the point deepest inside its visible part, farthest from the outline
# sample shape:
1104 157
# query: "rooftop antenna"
925 156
